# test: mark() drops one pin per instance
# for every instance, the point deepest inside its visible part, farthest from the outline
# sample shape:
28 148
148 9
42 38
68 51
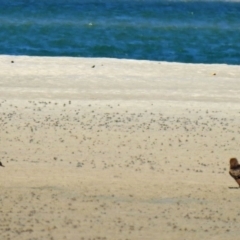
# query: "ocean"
175 31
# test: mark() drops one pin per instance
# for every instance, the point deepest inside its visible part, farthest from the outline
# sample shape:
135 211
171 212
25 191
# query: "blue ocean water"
179 31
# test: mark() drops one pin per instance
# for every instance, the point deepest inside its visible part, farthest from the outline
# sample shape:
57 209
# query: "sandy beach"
107 149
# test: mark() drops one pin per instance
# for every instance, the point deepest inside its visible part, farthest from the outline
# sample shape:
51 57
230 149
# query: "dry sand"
117 149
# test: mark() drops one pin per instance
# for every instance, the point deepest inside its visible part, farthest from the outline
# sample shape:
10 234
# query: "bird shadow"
233 187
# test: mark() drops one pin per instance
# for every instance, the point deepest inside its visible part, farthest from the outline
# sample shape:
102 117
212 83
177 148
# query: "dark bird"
234 170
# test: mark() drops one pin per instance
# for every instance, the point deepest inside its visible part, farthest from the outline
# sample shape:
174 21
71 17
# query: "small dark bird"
234 170
1 165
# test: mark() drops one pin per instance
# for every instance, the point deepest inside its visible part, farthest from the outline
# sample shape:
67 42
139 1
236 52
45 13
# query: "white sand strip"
111 79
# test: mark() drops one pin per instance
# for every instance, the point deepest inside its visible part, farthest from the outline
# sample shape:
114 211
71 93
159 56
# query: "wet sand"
117 149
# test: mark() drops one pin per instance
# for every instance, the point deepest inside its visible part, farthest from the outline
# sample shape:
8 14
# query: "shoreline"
109 58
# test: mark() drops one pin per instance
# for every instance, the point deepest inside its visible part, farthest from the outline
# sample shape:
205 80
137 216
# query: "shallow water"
179 31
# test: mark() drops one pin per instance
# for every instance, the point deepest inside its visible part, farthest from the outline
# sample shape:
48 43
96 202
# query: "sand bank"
117 149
